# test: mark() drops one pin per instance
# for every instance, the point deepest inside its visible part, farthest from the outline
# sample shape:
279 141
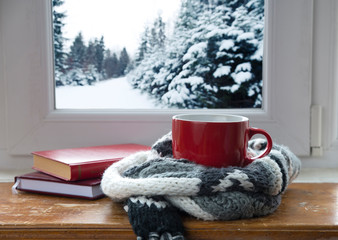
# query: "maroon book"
39 182
74 164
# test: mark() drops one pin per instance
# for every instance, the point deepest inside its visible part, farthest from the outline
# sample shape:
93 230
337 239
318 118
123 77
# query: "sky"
121 22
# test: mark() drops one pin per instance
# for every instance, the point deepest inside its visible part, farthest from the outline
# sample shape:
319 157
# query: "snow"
243 67
241 76
109 94
193 81
246 36
251 92
232 31
222 71
198 48
259 53
174 97
232 88
216 32
226 44
242 73
178 92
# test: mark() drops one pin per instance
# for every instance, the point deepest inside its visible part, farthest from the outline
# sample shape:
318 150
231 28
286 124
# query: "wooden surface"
308 211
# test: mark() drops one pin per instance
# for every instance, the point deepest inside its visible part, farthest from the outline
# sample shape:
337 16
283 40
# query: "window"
173 54
32 123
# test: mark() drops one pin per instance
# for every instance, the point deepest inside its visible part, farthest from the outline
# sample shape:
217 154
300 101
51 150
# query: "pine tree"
150 55
124 61
59 54
157 35
161 32
99 54
90 56
76 57
245 56
186 53
222 63
213 59
144 46
111 65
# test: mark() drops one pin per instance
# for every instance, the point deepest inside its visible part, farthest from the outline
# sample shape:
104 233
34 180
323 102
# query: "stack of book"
73 172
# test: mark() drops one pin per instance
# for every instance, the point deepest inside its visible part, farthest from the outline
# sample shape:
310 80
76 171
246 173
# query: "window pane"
158 54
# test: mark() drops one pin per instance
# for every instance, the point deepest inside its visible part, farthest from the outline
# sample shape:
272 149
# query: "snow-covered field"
108 94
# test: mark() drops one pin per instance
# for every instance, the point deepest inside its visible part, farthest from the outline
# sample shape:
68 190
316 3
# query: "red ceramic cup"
215 140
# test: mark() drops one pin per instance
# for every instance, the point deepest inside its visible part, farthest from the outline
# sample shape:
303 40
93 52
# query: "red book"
74 164
38 182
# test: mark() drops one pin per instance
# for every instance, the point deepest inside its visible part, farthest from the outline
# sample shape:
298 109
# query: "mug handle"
253 131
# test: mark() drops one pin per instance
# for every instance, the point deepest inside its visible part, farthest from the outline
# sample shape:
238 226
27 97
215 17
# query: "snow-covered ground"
108 94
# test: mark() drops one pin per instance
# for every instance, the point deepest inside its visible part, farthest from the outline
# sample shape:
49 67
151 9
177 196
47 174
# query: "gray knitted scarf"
154 186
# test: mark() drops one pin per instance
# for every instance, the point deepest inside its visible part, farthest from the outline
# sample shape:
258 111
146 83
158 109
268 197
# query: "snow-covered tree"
213 59
77 54
143 48
157 35
150 56
59 54
80 77
124 61
99 54
111 65
90 55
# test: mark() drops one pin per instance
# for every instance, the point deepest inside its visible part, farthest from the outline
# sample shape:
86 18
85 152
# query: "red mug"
215 140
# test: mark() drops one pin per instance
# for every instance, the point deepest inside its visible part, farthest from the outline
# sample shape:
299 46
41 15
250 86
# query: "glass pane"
158 54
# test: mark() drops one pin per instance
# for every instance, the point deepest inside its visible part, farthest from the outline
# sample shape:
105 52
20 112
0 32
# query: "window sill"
319 175
8 175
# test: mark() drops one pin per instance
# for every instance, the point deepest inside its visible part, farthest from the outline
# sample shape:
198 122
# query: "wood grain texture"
308 211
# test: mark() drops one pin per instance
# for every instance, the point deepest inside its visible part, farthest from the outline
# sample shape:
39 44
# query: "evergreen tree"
160 25
124 61
157 36
111 65
245 56
99 54
213 60
80 64
59 54
189 14
147 62
90 56
152 39
144 46
76 57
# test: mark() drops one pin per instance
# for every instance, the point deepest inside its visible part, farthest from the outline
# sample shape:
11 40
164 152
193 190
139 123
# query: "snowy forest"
84 64
212 58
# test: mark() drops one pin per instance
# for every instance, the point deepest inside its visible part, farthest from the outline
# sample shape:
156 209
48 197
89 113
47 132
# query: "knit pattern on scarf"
154 186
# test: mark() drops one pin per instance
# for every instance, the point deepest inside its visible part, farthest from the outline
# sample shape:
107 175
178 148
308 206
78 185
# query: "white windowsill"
8 175
313 175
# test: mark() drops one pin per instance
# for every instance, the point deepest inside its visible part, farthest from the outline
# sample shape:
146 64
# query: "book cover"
74 164
39 182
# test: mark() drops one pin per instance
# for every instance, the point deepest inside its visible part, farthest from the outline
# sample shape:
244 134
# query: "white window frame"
30 122
325 72
325 82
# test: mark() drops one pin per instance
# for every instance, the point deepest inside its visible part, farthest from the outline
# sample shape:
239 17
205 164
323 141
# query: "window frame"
325 82
32 123
325 72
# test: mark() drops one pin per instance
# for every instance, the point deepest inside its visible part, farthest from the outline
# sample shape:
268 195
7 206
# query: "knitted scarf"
154 186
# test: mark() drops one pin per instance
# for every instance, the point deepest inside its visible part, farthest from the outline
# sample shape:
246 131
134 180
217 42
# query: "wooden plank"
308 211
